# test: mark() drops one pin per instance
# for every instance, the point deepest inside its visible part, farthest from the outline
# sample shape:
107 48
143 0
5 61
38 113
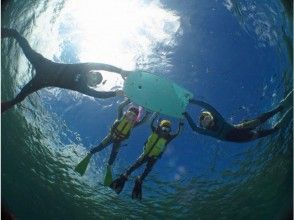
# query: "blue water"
235 55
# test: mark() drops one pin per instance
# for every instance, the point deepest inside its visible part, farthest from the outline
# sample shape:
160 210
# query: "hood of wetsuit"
94 78
206 120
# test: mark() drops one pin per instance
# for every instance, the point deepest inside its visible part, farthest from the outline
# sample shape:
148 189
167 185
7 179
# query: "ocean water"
235 55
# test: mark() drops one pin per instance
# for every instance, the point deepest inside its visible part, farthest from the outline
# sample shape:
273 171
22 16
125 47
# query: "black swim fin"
118 184
5 106
137 191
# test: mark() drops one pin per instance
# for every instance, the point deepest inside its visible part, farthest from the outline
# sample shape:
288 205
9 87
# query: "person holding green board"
161 95
153 149
80 77
120 131
211 122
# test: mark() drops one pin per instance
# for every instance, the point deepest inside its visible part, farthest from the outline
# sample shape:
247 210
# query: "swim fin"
287 101
137 191
286 119
82 166
118 184
7 32
5 106
108 176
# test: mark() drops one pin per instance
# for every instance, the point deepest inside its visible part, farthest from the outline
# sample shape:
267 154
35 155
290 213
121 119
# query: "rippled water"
190 42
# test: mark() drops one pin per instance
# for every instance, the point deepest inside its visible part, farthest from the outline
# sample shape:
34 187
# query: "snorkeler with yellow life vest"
153 149
120 131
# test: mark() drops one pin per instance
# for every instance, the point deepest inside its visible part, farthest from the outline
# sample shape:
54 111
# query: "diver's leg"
263 133
137 190
286 118
252 124
114 152
150 163
253 135
118 184
142 159
29 88
105 142
34 57
287 101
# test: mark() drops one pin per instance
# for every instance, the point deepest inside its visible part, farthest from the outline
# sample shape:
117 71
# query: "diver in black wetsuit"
78 77
211 123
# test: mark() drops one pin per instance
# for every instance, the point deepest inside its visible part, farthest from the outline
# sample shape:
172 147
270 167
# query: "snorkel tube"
141 109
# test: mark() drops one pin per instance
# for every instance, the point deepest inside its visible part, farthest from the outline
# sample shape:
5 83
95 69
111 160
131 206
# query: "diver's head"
132 114
165 126
206 120
94 78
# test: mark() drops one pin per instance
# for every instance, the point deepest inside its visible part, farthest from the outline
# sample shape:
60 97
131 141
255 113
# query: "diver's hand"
181 122
119 93
124 73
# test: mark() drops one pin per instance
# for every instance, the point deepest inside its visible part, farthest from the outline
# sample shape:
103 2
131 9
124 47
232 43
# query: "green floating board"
156 93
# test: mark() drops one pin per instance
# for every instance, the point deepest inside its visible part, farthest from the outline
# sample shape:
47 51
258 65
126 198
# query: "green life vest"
123 128
155 145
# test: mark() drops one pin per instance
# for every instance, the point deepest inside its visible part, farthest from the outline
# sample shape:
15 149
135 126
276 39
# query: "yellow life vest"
123 128
155 145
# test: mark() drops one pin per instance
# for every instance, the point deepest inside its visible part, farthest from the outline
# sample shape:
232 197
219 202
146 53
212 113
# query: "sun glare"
119 32
127 34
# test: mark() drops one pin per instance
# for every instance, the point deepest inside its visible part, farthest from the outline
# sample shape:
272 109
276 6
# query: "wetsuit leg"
114 152
150 163
35 58
142 159
252 124
241 135
105 142
264 133
29 88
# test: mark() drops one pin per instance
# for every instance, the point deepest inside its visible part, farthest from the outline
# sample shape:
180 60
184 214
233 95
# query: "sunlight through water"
127 34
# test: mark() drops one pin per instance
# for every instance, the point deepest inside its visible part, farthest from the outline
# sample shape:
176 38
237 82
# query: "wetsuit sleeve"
181 124
169 138
121 107
194 126
208 107
144 119
153 127
106 67
97 94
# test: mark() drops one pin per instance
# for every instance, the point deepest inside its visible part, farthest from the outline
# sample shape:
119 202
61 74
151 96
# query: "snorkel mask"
206 120
165 126
132 114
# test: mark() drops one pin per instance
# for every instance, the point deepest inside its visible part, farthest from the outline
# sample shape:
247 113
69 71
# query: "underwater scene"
163 109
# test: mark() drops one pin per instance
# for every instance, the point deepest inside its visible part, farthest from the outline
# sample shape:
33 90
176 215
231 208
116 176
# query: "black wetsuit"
222 130
109 139
51 74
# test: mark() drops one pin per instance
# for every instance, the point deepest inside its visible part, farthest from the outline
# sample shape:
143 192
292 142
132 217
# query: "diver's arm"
121 108
180 128
153 127
106 67
109 68
144 119
97 94
194 126
208 107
